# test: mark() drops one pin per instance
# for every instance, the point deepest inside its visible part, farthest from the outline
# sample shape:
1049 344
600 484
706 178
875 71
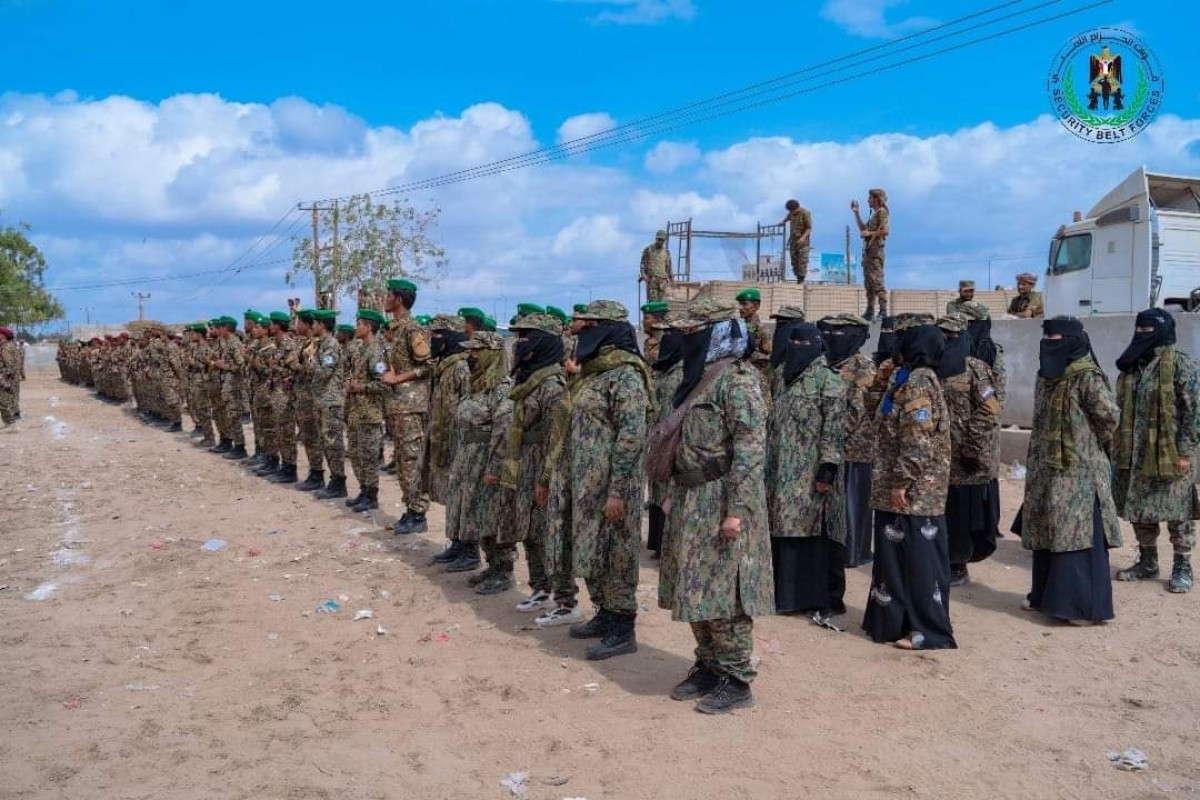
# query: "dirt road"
137 665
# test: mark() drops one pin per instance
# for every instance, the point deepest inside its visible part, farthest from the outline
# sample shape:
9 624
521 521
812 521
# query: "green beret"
371 315
470 312
656 307
280 316
540 322
214 322
579 308
423 319
263 319
324 315
605 310
251 314
306 314
401 285
557 313
513 320
347 329
749 294
525 309
489 324
228 322
197 327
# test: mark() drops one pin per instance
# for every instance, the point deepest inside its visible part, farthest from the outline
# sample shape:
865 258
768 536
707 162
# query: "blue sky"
161 139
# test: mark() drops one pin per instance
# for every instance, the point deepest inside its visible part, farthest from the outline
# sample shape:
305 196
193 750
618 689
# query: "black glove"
826 473
970 463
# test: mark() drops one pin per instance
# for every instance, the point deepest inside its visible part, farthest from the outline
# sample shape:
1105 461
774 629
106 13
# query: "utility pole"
87 312
336 261
849 273
315 208
141 298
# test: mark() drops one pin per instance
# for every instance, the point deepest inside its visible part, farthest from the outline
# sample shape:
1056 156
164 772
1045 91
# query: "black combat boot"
369 502
314 482
417 523
485 574
267 465
401 526
389 467
959 575
176 427
729 694
237 453
1145 568
285 474
468 559
351 502
1181 575
449 555
257 460
224 447
594 628
207 441
620 639
500 581
700 681
335 490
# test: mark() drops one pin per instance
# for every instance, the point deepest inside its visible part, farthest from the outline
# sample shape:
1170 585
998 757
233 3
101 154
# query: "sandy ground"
137 665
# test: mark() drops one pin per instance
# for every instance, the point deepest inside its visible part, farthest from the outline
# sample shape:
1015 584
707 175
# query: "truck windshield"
1071 253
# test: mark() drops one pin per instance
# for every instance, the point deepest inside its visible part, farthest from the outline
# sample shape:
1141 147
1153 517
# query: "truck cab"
1138 247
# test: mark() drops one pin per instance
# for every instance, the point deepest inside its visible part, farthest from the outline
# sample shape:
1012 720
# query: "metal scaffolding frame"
684 233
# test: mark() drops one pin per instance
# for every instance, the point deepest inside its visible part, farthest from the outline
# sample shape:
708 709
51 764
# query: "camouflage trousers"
656 289
212 391
799 253
308 428
408 437
872 266
10 404
282 425
1182 533
231 412
262 421
541 579
364 441
501 557
199 407
612 583
726 646
559 542
172 399
333 439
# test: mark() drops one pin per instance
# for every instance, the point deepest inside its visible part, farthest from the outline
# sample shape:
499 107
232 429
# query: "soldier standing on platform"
655 269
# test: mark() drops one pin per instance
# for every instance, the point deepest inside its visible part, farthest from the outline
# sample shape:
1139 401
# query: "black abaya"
1074 585
972 521
810 575
910 582
859 532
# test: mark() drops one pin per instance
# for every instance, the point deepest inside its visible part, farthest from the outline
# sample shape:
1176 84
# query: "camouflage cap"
953 322
966 284
705 312
974 310
911 320
539 322
604 310
1027 277
484 340
660 234
446 322
845 318
789 312
666 323
880 193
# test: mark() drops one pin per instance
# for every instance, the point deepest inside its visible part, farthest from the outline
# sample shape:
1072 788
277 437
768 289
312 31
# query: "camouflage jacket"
451 383
304 370
656 263
702 577
665 384
1057 515
858 373
1027 302
1141 498
807 428
533 413
799 222
409 350
279 372
913 447
365 385
878 219
974 407
481 423
259 354
329 376
650 346
231 352
10 366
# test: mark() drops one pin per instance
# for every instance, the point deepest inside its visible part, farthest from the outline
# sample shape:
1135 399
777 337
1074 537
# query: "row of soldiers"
773 461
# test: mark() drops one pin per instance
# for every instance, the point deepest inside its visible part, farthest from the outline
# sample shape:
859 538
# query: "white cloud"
869 18
667 157
639 12
583 125
117 188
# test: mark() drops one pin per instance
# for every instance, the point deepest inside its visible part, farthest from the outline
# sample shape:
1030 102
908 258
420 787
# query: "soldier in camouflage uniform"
653 313
966 294
715 572
280 408
230 361
1159 396
874 233
972 511
806 437
1028 303
668 374
329 385
1069 519
909 601
786 317
258 372
10 378
212 385
407 404
605 441
844 336
365 388
303 365
655 269
800 226
749 302
979 327
199 401
451 383
479 513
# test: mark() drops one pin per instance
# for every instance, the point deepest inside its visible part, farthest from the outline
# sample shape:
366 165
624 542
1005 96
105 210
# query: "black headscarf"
921 346
805 345
444 343
670 350
954 356
779 341
1055 355
605 333
982 346
886 345
534 350
1142 349
843 341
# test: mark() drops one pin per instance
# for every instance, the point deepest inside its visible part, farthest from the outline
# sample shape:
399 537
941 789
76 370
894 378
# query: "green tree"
363 243
23 298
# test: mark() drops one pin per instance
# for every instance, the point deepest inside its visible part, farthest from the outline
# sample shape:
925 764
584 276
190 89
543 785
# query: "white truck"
1137 248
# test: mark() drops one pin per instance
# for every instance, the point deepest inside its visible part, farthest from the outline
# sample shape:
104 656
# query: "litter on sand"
363 613
517 784
328 607
380 630
1132 760
213 545
274 598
